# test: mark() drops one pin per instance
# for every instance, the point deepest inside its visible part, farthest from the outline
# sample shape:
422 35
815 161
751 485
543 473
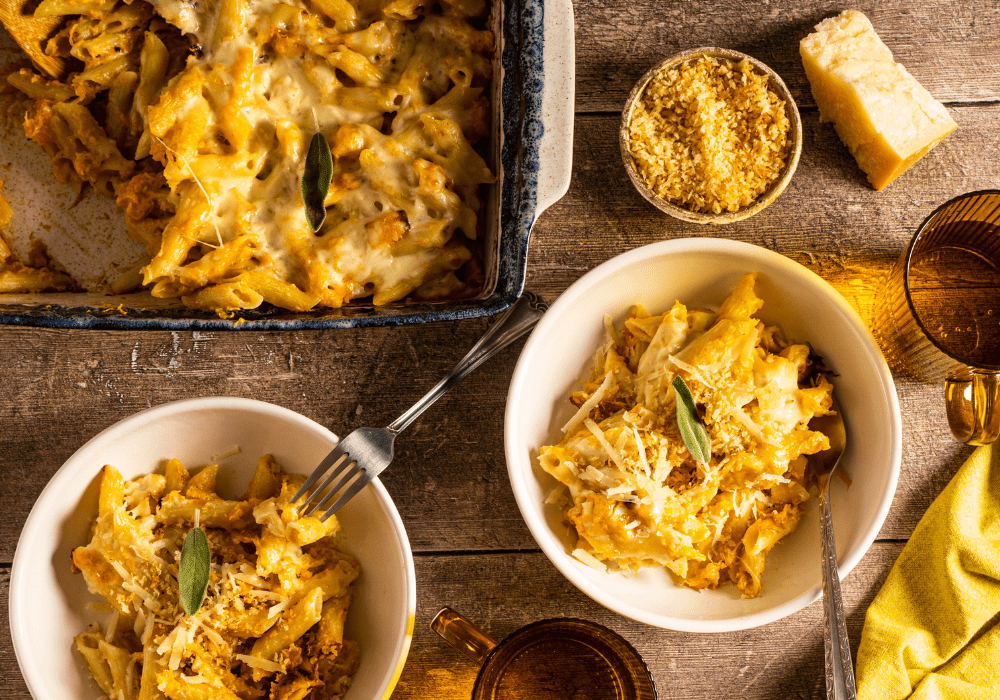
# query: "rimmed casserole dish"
531 156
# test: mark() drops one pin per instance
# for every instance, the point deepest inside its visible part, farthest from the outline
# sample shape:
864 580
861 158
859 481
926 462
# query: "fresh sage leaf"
196 563
316 180
693 431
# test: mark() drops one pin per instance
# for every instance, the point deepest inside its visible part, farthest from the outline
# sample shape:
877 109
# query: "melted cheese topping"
399 102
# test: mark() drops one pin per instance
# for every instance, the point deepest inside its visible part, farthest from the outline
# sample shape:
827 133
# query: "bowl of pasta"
659 433
101 592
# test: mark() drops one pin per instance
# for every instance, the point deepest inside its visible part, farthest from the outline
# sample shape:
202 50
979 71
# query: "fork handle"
839 671
509 326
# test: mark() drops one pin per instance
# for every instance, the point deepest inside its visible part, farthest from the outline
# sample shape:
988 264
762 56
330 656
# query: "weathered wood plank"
449 476
948 48
505 591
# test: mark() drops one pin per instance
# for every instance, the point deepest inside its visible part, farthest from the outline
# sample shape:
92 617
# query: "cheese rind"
881 113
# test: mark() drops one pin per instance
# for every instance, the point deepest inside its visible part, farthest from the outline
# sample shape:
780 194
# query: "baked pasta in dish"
638 498
271 626
197 118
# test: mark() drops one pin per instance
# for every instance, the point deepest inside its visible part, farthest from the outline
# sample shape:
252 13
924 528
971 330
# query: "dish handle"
558 103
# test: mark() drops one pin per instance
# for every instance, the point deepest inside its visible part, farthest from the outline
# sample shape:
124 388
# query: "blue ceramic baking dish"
531 149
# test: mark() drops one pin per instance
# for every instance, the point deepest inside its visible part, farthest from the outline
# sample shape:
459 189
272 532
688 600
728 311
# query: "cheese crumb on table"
881 113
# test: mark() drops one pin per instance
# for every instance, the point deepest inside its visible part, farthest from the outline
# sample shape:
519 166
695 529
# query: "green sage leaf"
196 563
693 431
316 180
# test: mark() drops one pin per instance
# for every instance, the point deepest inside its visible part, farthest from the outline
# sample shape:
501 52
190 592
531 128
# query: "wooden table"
471 548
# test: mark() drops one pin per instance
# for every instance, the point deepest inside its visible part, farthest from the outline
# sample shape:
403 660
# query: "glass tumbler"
557 659
938 316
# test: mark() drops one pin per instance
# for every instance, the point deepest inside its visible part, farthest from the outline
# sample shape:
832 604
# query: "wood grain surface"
472 550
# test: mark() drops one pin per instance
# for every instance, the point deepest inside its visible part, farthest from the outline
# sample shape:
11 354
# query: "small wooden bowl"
769 195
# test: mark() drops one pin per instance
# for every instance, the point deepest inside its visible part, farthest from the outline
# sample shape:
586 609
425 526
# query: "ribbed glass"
901 332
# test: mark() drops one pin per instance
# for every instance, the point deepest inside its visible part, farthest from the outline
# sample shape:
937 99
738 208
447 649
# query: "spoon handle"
839 671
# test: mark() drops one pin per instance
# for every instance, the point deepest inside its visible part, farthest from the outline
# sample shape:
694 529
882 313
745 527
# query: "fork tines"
344 467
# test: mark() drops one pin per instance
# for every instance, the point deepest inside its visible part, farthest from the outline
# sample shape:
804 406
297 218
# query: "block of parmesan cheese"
881 113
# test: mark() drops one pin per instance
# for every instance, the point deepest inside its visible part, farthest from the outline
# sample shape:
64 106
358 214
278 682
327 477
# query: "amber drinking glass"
557 659
938 316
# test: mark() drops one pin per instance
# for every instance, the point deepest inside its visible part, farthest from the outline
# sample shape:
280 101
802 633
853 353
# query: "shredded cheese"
555 494
596 431
595 474
589 559
641 449
590 403
234 450
277 609
257 662
112 627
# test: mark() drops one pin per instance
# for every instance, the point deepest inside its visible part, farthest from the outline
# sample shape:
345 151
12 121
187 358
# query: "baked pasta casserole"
271 626
197 116
636 496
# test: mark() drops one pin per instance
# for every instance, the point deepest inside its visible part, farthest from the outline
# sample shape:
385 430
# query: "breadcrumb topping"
709 135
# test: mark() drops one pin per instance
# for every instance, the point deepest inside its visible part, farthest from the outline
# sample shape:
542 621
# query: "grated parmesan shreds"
594 474
585 557
590 403
277 609
616 490
112 627
234 450
140 622
147 629
555 494
612 452
641 448
257 662
709 135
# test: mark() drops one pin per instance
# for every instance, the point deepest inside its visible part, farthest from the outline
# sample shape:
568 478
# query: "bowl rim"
532 512
65 477
773 191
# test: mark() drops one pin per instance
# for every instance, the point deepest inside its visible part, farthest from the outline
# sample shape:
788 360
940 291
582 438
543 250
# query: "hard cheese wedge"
884 116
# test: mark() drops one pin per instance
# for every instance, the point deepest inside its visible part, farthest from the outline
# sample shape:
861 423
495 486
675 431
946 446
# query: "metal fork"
366 452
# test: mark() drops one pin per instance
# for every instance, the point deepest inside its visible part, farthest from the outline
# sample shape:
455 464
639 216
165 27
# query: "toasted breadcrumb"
709 135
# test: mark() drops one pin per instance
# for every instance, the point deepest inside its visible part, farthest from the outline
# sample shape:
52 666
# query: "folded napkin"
933 631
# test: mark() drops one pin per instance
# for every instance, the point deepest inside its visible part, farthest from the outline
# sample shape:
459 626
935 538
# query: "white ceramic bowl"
702 272
49 604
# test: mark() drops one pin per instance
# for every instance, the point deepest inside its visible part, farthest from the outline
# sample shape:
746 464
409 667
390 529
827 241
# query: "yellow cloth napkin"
933 631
